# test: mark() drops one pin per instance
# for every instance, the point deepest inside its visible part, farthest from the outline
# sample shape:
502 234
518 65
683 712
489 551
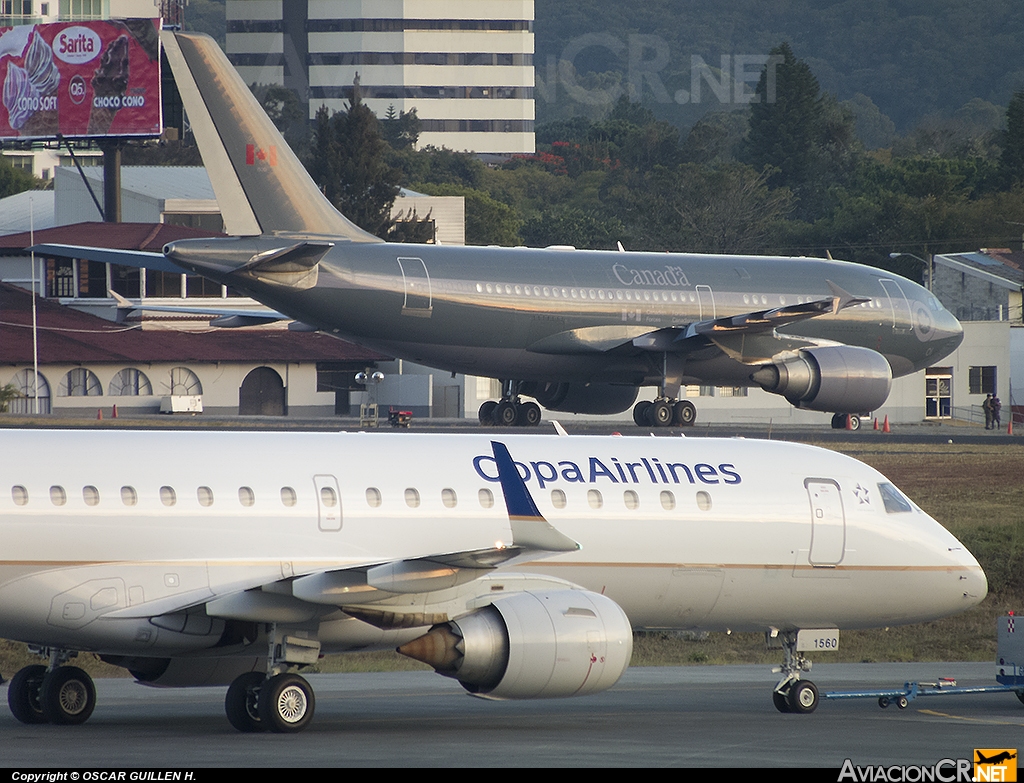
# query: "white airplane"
234 558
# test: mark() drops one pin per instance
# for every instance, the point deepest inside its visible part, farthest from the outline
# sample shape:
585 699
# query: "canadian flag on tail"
254 153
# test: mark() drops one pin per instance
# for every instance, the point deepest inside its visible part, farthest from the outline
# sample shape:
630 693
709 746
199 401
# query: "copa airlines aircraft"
579 331
518 567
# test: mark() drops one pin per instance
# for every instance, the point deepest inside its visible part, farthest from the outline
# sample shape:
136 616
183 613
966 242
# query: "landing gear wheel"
640 413
529 413
854 422
685 413
286 703
242 702
839 421
902 702
486 413
506 413
23 694
803 697
781 701
660 413
68 696
883 701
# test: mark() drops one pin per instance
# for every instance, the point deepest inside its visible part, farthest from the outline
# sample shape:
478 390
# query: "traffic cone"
876 424
849 422
114 414
1009 426
885 426
99 414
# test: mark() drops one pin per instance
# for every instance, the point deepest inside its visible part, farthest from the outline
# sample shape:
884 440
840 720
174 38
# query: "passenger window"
594 498
703 501
631 499
205 496
449 498
288 496
129 496
168 496
668 500
19 495
91 496
486 498
373 498
58 496
557 498
412 497
246 496
328 497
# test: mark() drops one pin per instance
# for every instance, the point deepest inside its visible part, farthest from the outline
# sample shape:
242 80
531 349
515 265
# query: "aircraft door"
706 301
901 319
828 522
418 301
328 503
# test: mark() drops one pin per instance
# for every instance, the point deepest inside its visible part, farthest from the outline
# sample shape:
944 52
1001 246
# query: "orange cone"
876 424
1009 426
849 423
885 426
99 414
114 414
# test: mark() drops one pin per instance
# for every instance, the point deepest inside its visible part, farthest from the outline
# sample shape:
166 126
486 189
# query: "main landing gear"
839 421
510 411
63 695
792 694
664 412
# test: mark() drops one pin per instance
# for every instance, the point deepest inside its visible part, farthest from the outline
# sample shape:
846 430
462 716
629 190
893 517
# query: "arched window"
80 382
27 389
184 381
130 383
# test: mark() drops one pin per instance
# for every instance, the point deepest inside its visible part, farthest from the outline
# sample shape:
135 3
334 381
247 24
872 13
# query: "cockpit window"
894 502
934 304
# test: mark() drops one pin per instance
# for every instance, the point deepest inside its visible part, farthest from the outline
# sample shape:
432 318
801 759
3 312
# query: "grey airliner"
577 330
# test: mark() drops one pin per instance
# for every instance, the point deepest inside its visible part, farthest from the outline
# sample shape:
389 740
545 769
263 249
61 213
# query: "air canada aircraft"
578 331
518 567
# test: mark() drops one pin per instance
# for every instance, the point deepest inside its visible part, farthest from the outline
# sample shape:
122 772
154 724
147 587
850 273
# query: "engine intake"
837 379
532 645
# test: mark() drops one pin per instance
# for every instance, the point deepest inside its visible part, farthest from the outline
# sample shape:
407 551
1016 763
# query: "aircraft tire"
506 413
685 413
68 696
23 694
661 414
781 701
803 697
854 422
286 703
640 413
242 702
486 413
839 421
529 414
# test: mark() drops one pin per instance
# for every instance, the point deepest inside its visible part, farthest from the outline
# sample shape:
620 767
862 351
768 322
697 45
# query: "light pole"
930 264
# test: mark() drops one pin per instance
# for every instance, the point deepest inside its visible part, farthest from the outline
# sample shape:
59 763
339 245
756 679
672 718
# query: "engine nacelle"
187 672
532 645
837 379
592 398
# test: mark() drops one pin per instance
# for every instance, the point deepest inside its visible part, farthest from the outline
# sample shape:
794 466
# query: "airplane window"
565 293
893 501
703 501
575 293
19 494
58 496
205 496
91 496
327 496
246 496
129 496
647 296
600 294
618 295
764 299
168 496
547 291
519 290
782 300
373 497
412 497
668 500
746 299
479 288
594 498
486 498
490 288
288 496
449 498
557 498
631 499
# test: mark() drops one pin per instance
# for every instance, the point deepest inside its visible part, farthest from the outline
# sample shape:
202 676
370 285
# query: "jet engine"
593 398
838 379
532 645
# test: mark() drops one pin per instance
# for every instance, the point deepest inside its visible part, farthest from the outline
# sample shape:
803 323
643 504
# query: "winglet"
529 528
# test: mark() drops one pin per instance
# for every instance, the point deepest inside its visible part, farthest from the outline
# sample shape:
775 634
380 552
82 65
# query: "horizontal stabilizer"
133 258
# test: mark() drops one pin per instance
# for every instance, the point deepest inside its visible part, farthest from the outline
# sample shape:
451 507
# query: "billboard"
80 79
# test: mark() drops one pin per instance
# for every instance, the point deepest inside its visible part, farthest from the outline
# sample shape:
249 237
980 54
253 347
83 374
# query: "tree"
401 130
488 221
1011 164
14 180
348 161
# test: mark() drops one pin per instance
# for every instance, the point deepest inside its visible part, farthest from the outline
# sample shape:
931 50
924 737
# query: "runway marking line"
972 720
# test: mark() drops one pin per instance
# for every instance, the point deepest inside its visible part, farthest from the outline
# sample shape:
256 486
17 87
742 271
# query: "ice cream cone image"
45 79
108 86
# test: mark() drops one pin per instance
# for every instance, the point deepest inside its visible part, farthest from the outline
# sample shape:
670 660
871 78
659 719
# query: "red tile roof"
116 236
68 336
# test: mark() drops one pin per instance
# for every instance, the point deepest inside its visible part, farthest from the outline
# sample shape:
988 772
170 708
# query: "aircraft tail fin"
261 186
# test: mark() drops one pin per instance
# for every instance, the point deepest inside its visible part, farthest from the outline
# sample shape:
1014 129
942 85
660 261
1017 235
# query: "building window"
80 382
982 380
130 383
26 402
184 381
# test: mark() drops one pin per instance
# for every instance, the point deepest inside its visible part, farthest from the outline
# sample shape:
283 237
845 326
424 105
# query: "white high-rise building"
466 66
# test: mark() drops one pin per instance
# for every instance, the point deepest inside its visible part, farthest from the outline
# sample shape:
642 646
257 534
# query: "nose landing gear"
792 694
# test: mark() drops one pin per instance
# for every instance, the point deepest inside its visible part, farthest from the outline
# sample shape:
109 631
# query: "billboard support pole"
111 180
81 173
